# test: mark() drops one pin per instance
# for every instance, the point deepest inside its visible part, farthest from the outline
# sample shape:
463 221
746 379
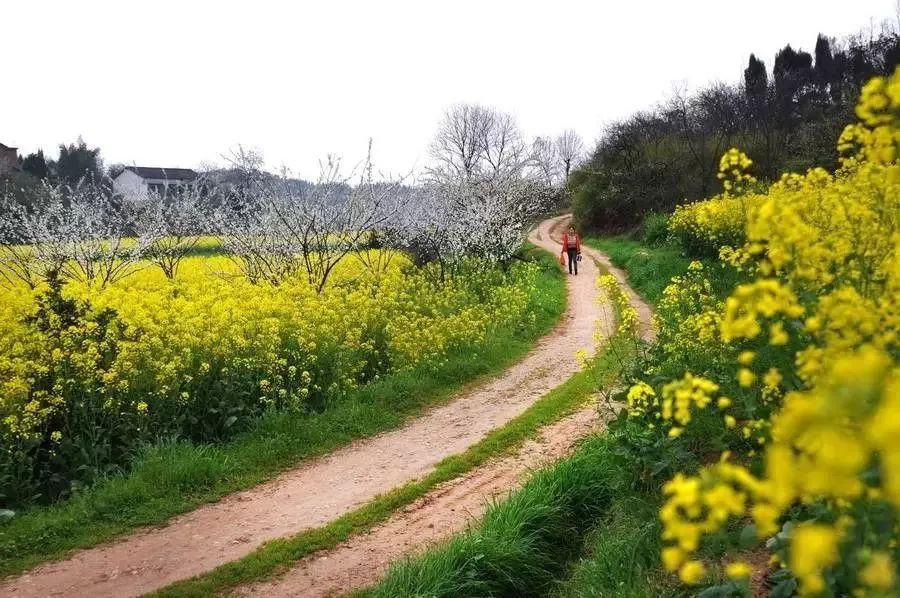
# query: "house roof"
169 174
2 146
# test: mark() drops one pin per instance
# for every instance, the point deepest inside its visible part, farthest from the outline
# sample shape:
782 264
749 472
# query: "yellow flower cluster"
705 226
627 317
733 173
172 346
680 400
876 139
816 340
700 505
688 318
752 305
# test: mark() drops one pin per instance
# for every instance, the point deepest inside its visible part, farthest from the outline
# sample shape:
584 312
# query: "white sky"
175 83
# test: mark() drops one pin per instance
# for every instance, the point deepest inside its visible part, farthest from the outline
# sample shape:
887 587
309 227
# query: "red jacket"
565 242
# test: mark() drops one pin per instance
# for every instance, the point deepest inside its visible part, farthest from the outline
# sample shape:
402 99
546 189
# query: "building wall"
9 159
128 184
133 186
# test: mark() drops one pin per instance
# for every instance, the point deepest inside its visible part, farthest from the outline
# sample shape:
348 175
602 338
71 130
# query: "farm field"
516 399
274 373
200 356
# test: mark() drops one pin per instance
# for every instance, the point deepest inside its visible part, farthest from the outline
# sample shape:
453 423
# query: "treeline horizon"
785 118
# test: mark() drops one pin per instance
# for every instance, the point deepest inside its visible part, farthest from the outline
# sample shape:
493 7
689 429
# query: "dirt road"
322 489
448 509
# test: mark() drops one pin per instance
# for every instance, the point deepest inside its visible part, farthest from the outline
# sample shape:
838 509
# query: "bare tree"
706 123
458 146
569 148
546 161
168 225
502 147
477 141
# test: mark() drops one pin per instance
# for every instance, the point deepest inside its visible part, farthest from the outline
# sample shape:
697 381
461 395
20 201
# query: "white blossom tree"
24 235
279 227
68 232
481 190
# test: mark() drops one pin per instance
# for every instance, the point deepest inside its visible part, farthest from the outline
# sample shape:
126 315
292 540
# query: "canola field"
788 390
89 375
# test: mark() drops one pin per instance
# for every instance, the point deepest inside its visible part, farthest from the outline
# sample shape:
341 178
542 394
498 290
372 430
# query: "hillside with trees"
786 119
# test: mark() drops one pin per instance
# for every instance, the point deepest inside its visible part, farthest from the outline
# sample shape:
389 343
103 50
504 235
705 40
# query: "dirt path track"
322 489
448 509
363 559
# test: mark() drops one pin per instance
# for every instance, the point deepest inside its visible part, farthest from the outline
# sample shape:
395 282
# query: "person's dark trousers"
573 260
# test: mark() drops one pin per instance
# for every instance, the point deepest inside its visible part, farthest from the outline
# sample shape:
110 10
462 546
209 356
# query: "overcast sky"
177 83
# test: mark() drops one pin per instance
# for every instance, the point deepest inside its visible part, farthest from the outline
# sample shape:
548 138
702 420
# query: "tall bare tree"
458 146
475 141
502 147
545 160
570 148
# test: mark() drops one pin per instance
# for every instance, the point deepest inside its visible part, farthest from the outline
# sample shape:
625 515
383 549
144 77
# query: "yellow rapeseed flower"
738 570
692 572
879 572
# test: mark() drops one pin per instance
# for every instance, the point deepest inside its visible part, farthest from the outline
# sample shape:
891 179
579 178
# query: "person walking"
571 246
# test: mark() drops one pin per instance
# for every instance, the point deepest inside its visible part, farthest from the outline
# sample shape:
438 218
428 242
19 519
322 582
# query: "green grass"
278 555
651 267
621 555
176 477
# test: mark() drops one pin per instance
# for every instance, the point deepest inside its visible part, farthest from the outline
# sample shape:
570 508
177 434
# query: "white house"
137 181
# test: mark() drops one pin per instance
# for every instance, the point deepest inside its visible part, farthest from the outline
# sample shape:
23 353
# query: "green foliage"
77 161
656 229
21 187
36 165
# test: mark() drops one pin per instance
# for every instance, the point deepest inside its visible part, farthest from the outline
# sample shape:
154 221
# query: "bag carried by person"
562 258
